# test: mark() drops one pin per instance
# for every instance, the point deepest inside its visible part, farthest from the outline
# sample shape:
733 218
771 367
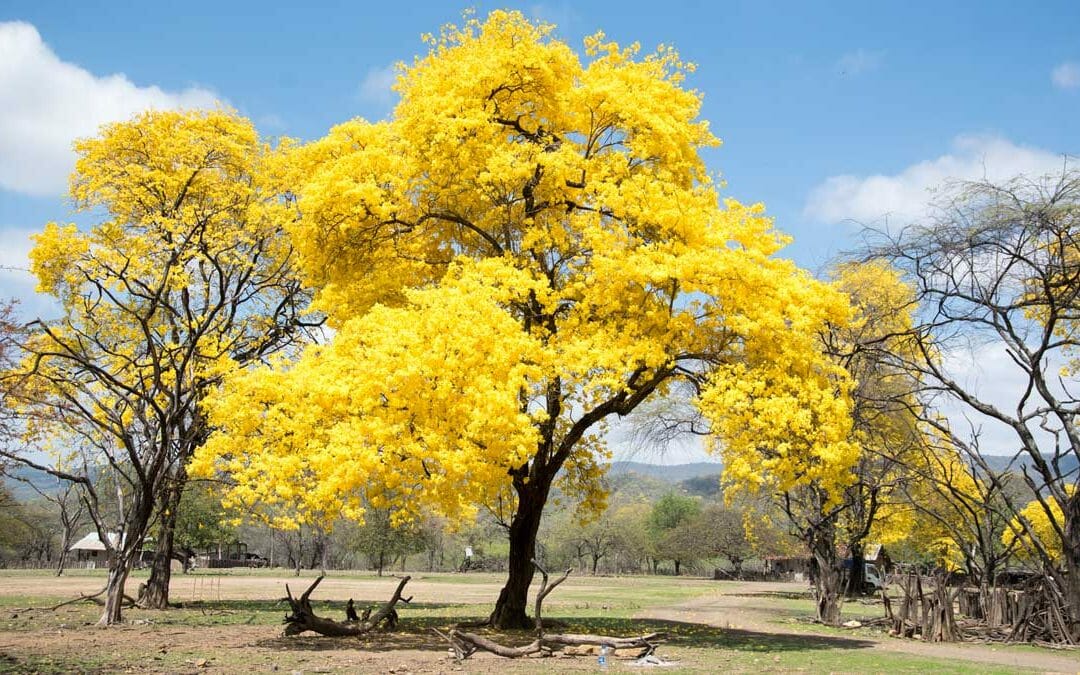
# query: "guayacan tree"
186 276
10 332
528 248
829 453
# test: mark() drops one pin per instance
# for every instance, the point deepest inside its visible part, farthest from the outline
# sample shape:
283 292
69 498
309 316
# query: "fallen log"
638 642
303 617
466 644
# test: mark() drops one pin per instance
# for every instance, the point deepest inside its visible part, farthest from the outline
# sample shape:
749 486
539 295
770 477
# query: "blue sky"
812 100
832 113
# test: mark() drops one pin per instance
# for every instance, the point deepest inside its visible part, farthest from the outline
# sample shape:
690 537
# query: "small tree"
201 521
66 507
671 534
720 532
629 544
383 541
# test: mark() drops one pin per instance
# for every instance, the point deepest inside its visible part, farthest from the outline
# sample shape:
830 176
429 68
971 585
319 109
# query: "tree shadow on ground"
416 633
784 595
329 608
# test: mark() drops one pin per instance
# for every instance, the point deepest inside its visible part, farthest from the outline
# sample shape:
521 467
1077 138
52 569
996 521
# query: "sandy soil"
739 608
150 644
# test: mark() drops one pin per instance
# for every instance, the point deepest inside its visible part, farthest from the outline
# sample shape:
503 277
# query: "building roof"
92 542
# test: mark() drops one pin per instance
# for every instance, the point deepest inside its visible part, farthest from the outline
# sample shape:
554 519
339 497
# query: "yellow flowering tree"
1036 531
962 508
827 437
186 275
529 247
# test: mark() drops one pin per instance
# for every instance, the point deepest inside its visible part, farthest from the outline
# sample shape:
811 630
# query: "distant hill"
1069 464
648 482
674 473
702 479
702 486
21 480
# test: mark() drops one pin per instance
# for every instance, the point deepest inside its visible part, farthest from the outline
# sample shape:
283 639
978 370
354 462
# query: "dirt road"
740 608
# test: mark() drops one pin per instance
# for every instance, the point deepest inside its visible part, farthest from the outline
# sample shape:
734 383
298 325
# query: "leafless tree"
996 271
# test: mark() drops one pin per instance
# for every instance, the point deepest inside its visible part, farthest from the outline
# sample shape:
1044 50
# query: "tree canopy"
528 247
185 275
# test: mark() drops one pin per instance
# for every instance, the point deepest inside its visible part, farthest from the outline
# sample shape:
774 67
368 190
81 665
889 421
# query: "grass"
243 634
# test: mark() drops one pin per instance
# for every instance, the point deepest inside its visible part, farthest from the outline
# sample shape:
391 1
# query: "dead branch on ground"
303 617
466 644
94 598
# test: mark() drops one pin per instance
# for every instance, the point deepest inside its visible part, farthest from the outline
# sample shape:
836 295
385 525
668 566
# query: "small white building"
90 551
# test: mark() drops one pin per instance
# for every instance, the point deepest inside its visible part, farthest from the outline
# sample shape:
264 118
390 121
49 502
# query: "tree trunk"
114 590
736 566
677 566
595 562
303 617
318 542
1071 577
856 580
156 595
510 608
828 577
65 543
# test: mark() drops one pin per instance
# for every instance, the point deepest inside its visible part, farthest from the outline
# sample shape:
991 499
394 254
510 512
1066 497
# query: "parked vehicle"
873 577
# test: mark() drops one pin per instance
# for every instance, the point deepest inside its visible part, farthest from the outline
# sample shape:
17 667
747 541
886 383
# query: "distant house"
90 550
876 553
788 566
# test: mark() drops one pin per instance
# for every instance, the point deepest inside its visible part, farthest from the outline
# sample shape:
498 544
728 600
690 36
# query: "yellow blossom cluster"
529 247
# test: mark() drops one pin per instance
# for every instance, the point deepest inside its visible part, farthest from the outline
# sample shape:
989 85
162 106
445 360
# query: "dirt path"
751 614
739 608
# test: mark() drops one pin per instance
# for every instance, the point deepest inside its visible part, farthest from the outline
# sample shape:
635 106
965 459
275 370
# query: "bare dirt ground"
741 609
149 643
157 642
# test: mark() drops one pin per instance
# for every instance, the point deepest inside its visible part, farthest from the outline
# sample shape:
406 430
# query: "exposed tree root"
303 618
466 644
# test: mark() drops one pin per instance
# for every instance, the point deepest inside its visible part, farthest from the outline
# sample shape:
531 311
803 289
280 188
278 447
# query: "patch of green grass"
600 605
53 665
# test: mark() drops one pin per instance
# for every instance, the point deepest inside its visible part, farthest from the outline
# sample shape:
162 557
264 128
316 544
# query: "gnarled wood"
303 618
466 644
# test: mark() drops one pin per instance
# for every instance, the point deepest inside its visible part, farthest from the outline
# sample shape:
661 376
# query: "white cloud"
858 62
1066 75
904 196
986 370
46 103
376 87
